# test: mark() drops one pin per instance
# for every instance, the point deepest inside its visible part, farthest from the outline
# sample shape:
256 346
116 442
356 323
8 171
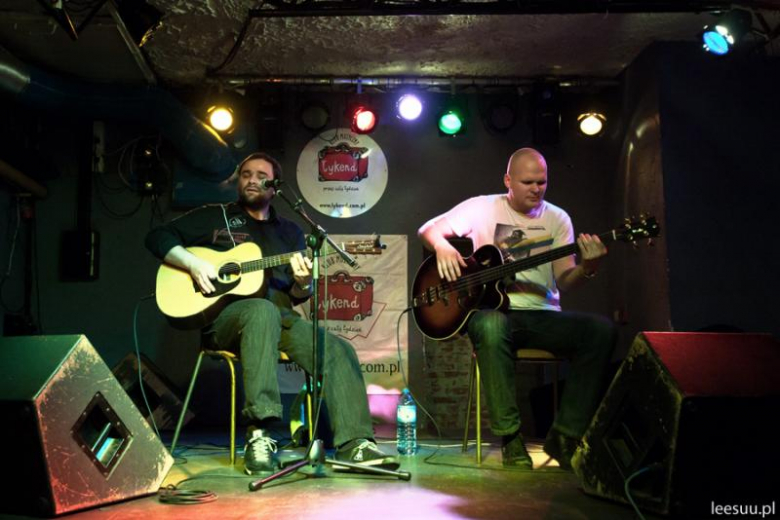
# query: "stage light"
591 123
452 120
500 116
315 116
221 118
720 37
546 110
364 120
409 107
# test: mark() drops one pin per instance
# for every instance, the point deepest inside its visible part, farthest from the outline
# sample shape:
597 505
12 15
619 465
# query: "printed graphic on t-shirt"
222 237
514 242
237 221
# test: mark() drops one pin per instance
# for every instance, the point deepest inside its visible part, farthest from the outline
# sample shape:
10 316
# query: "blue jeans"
586 340
258 330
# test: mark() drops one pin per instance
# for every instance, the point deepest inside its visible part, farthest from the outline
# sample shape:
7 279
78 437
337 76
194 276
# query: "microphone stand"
315 455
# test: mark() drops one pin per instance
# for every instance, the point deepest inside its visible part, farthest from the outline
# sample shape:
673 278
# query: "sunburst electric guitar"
442 308
241 274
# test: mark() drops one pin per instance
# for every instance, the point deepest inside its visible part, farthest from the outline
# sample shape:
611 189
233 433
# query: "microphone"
271 183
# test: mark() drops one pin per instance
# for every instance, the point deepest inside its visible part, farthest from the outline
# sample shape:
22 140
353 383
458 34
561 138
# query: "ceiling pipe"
283 8
196 142
236 81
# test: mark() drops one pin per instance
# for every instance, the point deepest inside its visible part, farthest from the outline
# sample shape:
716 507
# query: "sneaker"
560 447
514 454
260 454
365 453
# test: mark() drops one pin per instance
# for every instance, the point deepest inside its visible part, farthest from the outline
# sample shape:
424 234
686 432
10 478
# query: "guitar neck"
269 261
501 271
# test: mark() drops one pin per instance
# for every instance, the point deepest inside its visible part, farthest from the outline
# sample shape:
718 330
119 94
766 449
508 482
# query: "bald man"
521 223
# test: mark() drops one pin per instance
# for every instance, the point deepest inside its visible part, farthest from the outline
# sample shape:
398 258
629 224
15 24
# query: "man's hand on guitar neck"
201 270
592 249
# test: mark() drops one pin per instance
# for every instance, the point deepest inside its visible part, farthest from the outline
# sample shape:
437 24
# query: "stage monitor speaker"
158 391
72 438
692 416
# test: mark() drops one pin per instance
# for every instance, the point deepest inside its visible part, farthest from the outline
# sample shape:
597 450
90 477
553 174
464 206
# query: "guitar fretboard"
271 261
259 264
498 272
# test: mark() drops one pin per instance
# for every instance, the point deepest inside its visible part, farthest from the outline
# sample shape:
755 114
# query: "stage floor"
445 484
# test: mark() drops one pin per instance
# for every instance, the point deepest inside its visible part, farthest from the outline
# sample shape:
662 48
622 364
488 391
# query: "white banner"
363 306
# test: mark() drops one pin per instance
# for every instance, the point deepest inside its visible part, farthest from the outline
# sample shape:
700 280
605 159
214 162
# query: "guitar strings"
489 274
276 260
256 265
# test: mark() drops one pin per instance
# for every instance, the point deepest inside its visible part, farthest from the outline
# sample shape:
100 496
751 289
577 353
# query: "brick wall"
446 373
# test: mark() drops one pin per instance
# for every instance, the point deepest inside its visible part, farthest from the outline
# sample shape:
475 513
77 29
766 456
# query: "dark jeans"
586 340
257 330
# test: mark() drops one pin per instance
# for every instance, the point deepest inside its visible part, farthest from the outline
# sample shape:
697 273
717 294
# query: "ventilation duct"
198 145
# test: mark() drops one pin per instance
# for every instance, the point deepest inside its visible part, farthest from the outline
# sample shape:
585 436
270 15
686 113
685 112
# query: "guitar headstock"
634 229
371 246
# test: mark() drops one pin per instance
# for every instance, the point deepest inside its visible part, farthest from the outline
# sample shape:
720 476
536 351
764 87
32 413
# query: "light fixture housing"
591 124
364 119
500 116
409 107
721 37
451 119
221 118
315 116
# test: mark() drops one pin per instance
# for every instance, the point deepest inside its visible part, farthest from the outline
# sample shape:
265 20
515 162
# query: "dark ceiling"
199 36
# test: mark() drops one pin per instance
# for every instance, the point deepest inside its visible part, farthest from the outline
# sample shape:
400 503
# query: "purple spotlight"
409 107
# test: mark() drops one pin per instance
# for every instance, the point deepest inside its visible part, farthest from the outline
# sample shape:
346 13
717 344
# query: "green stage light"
450 122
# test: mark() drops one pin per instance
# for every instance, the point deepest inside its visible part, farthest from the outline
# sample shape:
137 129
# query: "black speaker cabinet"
72 438
692 416
158 389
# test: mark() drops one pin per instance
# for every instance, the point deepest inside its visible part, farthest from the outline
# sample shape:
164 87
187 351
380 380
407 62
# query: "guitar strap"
227 224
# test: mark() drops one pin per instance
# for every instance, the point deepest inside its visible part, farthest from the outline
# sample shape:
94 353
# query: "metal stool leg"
555 389
478 418
186 404
468 404
232 410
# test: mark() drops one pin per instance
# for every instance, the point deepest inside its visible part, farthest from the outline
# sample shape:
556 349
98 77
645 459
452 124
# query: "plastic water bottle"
406 420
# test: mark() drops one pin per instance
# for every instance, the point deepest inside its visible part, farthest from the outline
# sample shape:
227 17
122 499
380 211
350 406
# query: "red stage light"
363 120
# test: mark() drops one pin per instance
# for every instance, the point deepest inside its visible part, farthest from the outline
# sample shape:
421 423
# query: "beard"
254 200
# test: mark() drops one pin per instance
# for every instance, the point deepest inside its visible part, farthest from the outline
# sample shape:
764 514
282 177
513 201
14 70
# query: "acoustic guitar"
441 308
241 274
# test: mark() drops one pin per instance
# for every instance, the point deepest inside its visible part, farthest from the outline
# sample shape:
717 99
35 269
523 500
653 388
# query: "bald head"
526 180
522 157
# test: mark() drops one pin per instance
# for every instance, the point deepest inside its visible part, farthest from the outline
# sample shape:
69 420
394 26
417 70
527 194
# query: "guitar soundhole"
229 272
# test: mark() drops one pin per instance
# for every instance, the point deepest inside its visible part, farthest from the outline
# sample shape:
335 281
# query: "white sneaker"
260 454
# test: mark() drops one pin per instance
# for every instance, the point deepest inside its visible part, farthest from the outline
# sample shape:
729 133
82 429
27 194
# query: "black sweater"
206 227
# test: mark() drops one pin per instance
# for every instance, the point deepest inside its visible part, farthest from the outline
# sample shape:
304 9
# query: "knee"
487 327
604 334
340 349
258 310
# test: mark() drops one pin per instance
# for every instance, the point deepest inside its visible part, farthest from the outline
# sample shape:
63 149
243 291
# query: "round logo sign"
342 174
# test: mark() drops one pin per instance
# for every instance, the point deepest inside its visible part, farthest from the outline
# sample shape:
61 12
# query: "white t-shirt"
489 219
